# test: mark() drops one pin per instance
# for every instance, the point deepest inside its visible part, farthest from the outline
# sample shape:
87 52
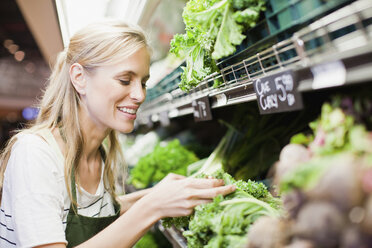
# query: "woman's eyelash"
127 82
124 82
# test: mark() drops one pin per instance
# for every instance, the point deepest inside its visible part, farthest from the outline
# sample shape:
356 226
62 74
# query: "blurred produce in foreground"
325 183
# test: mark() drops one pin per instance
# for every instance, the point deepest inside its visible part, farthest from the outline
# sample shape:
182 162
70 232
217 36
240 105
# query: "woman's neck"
90 164
93 136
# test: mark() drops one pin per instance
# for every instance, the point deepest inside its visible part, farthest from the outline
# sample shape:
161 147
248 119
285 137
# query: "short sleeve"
36 184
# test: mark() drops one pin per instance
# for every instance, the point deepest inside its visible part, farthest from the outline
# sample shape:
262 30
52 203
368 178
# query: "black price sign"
202 109
277 93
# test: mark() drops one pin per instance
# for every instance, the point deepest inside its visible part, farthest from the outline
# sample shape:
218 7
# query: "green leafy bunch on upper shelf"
213 30
153 167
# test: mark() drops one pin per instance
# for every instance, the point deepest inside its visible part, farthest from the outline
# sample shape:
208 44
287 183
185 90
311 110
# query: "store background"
32 32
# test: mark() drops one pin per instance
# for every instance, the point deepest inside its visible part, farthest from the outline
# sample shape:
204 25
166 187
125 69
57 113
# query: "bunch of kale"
213 29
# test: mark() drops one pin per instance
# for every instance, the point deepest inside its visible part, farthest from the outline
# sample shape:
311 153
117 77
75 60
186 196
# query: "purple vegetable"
267 232
321 223
292 202
340 185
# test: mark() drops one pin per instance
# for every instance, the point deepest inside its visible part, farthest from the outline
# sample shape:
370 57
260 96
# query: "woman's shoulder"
36 145
32 151
27 139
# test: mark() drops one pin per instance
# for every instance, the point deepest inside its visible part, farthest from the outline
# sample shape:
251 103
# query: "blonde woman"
57 179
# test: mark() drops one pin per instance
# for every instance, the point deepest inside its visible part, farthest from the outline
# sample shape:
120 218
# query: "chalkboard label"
202 109
277 93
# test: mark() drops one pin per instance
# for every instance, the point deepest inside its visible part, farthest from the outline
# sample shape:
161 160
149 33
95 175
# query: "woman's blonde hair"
97 44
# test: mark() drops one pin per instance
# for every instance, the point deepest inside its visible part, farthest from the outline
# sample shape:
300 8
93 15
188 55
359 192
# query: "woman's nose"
138 92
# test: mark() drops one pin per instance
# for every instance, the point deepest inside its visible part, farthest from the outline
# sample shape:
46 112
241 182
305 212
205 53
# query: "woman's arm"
126 201
173 197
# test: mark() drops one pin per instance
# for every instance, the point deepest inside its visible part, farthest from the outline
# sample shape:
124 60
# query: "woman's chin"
127 128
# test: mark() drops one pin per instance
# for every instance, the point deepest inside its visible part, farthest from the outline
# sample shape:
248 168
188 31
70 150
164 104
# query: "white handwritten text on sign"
277 93
202 109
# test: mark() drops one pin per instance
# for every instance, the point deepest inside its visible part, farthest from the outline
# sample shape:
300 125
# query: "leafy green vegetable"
225 221
213 29
148 240
257 190
254 199
243 4
301 139
163 160
198 59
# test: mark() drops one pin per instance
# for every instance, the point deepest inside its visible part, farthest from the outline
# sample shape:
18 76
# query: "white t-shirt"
35 201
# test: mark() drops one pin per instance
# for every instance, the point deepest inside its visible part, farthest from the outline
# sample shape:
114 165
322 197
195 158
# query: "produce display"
325 184
319 173
164 159
225 221
253 142
213 29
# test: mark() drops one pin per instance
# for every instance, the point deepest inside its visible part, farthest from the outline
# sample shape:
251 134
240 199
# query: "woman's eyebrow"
125 73
132 73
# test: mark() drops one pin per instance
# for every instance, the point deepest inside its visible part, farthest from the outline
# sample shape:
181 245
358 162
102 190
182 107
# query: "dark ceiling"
14 27
20 81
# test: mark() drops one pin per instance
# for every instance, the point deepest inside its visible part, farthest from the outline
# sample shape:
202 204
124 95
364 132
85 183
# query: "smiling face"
112 94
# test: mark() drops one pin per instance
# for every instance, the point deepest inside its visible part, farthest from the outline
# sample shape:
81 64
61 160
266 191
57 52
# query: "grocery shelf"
173 235
337 47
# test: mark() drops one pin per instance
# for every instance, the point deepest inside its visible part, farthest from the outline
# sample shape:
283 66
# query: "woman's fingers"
173 176
212 192
198 202
202 183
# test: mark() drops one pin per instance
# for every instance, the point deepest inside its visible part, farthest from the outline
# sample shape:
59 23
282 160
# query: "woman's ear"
77 78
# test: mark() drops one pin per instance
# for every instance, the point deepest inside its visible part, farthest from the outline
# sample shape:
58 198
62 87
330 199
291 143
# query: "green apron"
80 228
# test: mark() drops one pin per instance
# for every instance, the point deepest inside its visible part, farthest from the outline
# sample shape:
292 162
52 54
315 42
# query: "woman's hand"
177 196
